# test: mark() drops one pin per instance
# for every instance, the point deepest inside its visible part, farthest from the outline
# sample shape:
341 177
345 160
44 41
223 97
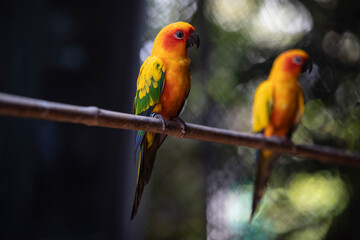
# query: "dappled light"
230 15
318 194
266 24
242 39
302 209
346 46
69 181
228 212
162 12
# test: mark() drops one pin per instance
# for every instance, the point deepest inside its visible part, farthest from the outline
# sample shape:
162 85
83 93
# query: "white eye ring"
297 60
179 35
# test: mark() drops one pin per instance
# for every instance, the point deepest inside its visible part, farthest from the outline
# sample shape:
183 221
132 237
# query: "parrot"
162 87
278 106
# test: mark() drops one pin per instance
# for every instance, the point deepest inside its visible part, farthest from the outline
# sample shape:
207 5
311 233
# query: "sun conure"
163 85
277 109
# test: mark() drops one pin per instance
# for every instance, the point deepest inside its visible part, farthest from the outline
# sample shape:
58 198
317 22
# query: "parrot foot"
293 146
289 142
182 124
163 120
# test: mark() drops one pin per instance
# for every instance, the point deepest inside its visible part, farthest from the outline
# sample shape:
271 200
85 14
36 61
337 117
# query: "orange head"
174 39
291 63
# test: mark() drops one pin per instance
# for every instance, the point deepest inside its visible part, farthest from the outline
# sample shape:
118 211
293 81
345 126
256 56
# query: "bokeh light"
240 41
228 212
267 24
230 15
318 194
349 49
310 200
346 46
163 12
280 24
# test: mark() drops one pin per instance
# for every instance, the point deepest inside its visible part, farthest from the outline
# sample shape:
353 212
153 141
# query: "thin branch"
17 106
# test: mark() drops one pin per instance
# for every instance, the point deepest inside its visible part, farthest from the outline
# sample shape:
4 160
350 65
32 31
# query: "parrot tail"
265 161
146 163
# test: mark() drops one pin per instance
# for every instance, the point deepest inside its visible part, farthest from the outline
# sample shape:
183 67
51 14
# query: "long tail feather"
146 163
265 162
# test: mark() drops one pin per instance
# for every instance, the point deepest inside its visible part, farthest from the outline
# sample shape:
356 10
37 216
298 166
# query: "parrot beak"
307 66
193 39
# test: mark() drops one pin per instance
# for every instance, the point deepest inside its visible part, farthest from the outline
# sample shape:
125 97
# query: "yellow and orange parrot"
163 85
277 109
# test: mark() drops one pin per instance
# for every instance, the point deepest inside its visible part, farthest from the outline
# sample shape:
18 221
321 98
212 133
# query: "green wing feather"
149 84
149 87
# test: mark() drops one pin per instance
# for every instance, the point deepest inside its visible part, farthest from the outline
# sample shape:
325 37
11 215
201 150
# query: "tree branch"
17 106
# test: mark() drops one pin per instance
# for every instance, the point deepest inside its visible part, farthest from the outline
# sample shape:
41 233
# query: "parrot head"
294 62
175 38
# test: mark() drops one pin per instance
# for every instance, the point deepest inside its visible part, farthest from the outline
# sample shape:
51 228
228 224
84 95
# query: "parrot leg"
293 146
163 120
287 140
182 124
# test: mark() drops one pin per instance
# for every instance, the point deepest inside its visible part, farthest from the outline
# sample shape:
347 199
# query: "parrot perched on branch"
163 85
277 109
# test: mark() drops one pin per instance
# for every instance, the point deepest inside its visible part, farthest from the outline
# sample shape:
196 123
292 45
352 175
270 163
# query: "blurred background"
67 181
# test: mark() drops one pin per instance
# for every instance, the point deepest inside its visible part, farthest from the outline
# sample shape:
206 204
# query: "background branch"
17 106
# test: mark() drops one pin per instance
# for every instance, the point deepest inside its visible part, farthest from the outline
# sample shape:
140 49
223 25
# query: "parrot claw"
163 120
293 146
182 124
288 141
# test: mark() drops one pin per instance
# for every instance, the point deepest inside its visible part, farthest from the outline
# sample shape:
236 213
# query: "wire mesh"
240 40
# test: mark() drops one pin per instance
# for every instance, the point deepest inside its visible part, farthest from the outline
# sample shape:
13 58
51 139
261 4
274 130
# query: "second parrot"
277 109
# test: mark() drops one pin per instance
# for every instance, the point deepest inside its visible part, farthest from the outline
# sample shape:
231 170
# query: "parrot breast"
285 108
176 89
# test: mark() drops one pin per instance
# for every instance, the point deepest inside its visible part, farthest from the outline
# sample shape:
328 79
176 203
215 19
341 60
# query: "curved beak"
193 38
308 65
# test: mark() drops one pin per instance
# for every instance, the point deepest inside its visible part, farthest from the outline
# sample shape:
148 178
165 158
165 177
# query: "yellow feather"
149 139
138 172
301 107
155 84
263 101
141 93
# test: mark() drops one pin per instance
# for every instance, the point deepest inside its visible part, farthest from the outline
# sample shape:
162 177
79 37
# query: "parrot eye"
298 60
179 35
